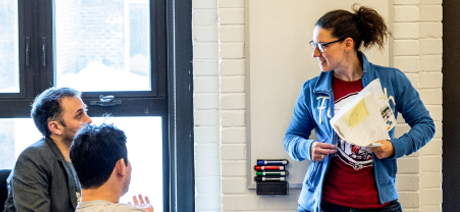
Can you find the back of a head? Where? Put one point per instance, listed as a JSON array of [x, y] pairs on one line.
[[364, 25], [95, 151], [47, 107]]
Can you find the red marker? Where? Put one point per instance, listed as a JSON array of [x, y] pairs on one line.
[[268, 168]]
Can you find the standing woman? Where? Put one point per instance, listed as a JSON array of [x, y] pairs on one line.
[[341, 176]]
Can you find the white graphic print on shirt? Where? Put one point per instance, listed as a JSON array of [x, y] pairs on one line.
[[354, 156]]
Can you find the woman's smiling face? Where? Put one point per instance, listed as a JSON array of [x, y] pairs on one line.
[[333, 53]]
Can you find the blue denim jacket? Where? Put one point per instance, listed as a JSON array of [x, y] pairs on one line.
[[315, 108]]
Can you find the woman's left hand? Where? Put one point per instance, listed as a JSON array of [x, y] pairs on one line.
[[384, 151]]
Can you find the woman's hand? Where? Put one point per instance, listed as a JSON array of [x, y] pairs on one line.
[[320, 150], [386, 150]]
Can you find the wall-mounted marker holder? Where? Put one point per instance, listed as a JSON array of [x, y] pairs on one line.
[[271, 177]]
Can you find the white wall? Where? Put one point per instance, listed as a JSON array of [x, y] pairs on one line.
[[220, 107]]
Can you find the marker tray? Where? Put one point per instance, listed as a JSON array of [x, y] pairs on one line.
[[272, 188]]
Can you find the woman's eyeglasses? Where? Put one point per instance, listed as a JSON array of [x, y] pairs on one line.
[[322, 46]]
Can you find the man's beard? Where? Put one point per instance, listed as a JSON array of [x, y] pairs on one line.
[[68, 135]]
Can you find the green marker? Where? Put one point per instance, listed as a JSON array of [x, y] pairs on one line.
[[280, 173]]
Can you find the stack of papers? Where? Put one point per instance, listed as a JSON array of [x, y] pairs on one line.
[[365, 119]]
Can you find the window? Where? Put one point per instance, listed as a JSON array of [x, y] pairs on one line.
[[130, 59]]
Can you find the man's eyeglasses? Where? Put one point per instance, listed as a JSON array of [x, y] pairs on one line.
[[322, 46]]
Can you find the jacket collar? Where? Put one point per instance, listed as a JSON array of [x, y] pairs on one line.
[[324, 82], [57, 152]]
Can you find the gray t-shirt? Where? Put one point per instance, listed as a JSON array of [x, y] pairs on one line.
[[105, 206]]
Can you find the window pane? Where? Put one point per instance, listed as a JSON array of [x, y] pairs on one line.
[[103, 45], [9, 47], [144, 151]]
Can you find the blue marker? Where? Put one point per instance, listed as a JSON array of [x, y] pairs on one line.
[[273, 162]]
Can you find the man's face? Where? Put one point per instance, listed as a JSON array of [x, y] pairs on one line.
[[73, 117]]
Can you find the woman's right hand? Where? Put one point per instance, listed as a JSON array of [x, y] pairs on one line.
[[320, 150]]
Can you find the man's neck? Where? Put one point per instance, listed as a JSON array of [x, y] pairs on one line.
[[64, 147], [104, 192]]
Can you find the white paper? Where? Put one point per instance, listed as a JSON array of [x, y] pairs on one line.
[[365, 119]]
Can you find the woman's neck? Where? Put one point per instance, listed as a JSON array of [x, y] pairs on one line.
[[351, 71]]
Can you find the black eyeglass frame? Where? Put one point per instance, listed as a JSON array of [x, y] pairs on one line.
[[321, 47]]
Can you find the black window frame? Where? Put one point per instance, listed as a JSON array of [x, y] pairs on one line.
[[173, 100]]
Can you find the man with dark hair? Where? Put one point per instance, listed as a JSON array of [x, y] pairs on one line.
[[43, 178], [100, 157]]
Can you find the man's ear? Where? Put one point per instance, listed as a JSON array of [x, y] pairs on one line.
[[55, 127], [120, 167]]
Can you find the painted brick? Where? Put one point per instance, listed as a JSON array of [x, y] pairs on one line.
[[430, 80], [406, 30], [232, 84], [430, 180], [414, 80], [205, 50], [431, 196], [199, 4], [438, 126], [204, 17], [231, 34], [233, 151], [430, 30], [206, 101], [432, 148], [233, 118], [430, 1], [398, 2], [409, 199], [205, 34], [430, 163], [406, 13], [206, 134], [206, 117], [231, 16], [406, 47], [401, 129], [430, 13], [232, 50], [431, 97], [278, 202], [207, 185], [407, 182], [431, 62], [232, 67], [430, 208], [207, 201], [240, 202], [233, 185], [431, 46], [233, 135], [234, 168], [231, 3], [408, 165], [203, 67], [207, 167], [435, 112], [207, 151], [206, 84], [233, 101], [407, 64]]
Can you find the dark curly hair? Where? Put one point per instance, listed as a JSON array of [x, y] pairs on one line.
[[364, 25]]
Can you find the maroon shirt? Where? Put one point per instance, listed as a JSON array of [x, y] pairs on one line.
[[350, 180]]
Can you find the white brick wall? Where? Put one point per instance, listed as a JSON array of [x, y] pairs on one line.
[[220, 107]]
